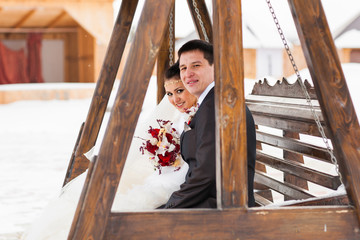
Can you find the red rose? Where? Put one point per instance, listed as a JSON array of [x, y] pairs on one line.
[[166, 160], [169, 137], [154, 132], [151, 148], [177, 148]]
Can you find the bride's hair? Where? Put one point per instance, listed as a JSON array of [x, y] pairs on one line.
[[172, 75], [173, 71]]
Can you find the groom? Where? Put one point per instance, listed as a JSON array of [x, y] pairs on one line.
[[198, 139]]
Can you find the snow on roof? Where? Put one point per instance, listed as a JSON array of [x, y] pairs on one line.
[[350, 39], [340, 13], [259, 28], [257, 16], [250, 40]]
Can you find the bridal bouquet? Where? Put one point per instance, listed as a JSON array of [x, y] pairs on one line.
[[162, 146]]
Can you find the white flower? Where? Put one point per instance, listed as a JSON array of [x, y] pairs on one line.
[[153, 141], [191, 113], [168, 127], [171, 148]]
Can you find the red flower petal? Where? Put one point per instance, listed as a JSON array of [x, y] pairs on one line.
[[151, 148]]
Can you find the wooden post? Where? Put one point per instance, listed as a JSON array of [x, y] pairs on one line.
[[163, 59], [332, 91], [231, 148], [204, 17], [86, 56], [78, 162], [96, 200]]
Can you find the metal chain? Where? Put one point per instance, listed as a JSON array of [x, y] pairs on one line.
[[171, 38], [200, 21], [306, 93]]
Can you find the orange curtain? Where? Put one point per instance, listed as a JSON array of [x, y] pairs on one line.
[[13, 66], [34, 43]]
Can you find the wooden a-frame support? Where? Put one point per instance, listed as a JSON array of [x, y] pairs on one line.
[[89, 132], [94, 219]]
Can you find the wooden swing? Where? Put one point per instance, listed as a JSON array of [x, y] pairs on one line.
[[232, 219]]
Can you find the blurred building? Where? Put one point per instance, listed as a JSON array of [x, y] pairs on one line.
[[63, 40]]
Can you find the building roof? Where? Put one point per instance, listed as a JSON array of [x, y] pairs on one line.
[[259, 30], [350, 39], [22, 16]]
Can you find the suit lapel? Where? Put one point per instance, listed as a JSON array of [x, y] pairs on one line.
[[193, 121]]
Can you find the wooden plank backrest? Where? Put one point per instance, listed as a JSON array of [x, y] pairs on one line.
[[284, 123]]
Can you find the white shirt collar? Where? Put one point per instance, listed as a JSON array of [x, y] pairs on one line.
[[205, 92]]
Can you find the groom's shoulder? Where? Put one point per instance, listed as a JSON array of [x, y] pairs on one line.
[[207, 106], [209, 96], [209, 99]]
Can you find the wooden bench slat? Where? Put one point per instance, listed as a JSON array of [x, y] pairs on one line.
[[284, 111], [282, 187], [294, 146], [281, 100], [288, 124], [261, 200], [331, 200], [299, 170], [267, 193]]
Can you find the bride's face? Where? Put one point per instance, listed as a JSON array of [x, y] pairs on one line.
[[178, 95]]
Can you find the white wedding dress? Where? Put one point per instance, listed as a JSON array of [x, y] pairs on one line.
[[140, 188]]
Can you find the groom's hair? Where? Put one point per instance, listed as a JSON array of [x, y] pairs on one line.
[[200, 45], [173, 71]]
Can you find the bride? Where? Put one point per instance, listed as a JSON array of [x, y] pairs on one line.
[[140, 188]]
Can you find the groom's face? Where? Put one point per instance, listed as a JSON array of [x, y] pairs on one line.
[[195, 71]]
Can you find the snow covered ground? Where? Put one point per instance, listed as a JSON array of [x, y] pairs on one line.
[[37, 138], [36, 142]]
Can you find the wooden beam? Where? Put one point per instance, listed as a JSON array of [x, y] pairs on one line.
[[103, 89], [205, 18], [332, 91], [39, 30], [72, 159], [283, 223], [71, 48], [86, 45], [24, 18], [56, 19], [96, 200], [231, 148]]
